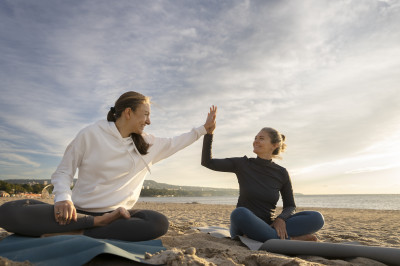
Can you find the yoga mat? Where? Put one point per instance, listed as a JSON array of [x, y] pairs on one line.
[[386, 255], [72, 249], [216, 231]]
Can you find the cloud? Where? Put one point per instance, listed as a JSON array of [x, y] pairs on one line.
[[324, 73], [19, 159], [372, 169]]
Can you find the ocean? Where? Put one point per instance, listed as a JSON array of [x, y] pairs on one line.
[[356, 201]]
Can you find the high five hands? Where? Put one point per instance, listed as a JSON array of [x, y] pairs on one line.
[[210, 122]]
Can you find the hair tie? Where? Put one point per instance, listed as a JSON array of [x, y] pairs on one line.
[[112, 109]]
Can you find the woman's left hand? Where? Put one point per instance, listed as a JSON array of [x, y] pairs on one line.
[[210, 122], [280, 227]]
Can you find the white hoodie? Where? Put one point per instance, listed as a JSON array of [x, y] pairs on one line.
[[111, 169]]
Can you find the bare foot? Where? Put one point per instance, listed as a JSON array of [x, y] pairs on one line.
[[77, 232], [98, 221], [309, 237], [111, 216]]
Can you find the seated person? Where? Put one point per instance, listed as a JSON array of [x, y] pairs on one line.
[[260, 182]]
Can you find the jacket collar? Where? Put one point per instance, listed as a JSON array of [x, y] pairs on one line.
[[262, 162]]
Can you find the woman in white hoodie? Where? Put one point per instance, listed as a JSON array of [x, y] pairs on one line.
[[113, 158]]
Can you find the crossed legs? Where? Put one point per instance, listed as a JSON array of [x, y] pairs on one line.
[[36, 218], [299, 226]]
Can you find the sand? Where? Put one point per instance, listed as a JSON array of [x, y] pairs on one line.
[[188, 246]]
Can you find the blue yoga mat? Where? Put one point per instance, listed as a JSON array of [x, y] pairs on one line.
[[72, 249]]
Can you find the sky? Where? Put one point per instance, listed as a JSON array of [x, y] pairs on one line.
[[324, 73]]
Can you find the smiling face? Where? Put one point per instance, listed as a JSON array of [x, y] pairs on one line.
[[262, 145], [140, 118]]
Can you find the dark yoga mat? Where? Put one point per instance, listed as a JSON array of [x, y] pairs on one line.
[[72, 249], [386, 255]]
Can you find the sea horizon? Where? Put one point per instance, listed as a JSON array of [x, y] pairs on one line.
[[348, 201]]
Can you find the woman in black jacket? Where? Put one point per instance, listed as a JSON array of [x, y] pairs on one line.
[[260, 182]]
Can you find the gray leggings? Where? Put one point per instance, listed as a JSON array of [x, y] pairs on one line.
[[35, 218]]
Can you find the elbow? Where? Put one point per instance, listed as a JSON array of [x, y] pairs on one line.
[[204, 160], [293, 210], [205, 163]]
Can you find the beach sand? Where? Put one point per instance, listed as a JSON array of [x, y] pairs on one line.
[[188, 246]]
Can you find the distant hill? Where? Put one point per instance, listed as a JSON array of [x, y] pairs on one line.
[[151, 184], [155, 185], [27, 181]]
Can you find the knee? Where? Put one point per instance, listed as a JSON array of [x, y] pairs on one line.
[[163, 224], [7, 216], [160, 224], [7, 206], [240, 215], [318, 220], [3, 214], [6, 210]]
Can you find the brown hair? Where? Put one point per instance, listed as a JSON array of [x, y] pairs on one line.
[[130, 99], [276, 137]]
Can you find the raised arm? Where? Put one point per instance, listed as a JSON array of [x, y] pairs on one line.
[[223, 165], [165, 147]]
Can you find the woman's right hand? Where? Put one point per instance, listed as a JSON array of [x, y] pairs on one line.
[[280, 226], [210, 122], [64, 212]]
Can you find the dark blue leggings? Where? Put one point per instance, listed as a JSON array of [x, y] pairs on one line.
[[35, 218], [245, 222]]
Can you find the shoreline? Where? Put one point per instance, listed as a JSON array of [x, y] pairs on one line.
[[367, 227]]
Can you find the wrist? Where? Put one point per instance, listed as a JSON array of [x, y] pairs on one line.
[[280, 218], [210, 130]]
